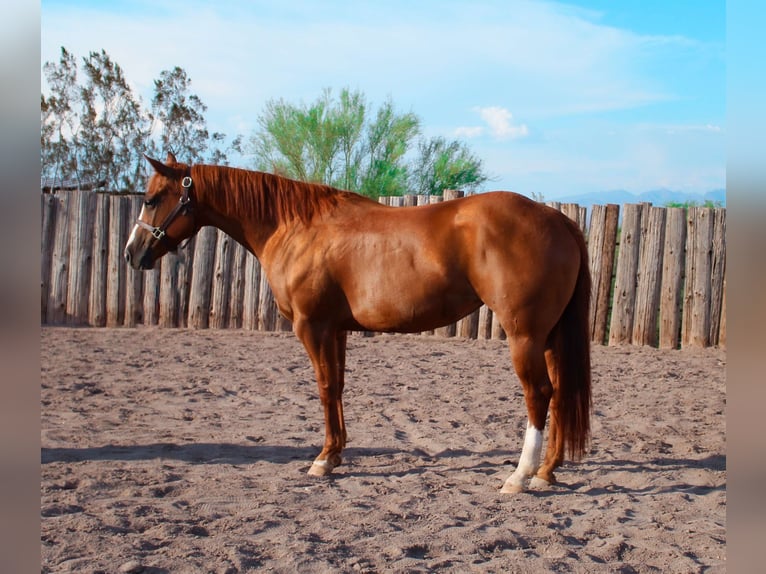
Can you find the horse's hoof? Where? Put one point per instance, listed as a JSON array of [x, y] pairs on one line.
[[509, 488], [539, 483], [321, 468]]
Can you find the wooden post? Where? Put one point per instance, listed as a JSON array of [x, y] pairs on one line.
[[554, 205], [251, 297], [48, 234], [56, 309], [649, 278], [201, 282], [449, 194], [219, 300], [695, 330], [409, 200], [623, 306], [80, 256], [168, 303], [115, 286], [484, 328], [717, 274], [602, 242], [583, 220], [237, 286], [673, 261], [575, 213], [98, 270], [134, 278], [468, 326], [151, 294], [185, 268]]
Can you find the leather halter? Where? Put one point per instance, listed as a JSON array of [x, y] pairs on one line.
[[182, 208]]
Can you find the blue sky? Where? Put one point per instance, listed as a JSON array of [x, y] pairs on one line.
[[557, 98]]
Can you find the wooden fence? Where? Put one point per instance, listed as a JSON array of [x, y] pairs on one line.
[[658, 280]]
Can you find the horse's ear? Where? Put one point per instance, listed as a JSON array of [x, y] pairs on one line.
[[160, 167], [171, 159]]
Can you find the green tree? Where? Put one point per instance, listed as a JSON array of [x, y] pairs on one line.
[[389, 137], [59, 121], [180, 115], [94, 129], [113, 127], [444, 165], [91, 132], [343, 142]]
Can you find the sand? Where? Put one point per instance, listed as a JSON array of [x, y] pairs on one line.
[[170, 450]]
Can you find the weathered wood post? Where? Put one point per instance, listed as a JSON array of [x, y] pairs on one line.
[[237, 286], [49, 203], [221, 286], [624, 299], [649, 277], [673, 262], [695, 330], [56, 308], [602, 241], [98, 269], [718, 274], [115, 286], [250, 310], [134, 278], [201, 281]]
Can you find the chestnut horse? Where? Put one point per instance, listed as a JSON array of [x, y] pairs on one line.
[[337, 262]]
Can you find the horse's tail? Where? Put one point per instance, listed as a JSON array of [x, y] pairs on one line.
[[570, 342]]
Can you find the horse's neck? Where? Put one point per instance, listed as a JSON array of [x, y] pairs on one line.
[[253, 235]]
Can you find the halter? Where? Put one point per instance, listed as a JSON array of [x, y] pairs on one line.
[[182, 207]]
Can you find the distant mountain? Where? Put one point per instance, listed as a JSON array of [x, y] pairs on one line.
[[658, 198]]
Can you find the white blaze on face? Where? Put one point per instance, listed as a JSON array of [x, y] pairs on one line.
[[135, 228]]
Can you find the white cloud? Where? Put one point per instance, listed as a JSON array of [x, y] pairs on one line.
[[498, 122]]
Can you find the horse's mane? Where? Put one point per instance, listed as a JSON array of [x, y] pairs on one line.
[[264, 196]]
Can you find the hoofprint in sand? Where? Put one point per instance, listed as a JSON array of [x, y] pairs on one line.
[[186, 451]]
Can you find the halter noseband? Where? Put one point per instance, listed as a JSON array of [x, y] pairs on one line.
[[182, 207]]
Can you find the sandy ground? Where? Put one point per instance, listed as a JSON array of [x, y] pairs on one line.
[[183, 451]]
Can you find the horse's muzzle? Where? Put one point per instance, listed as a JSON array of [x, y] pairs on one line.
[[146, 261]]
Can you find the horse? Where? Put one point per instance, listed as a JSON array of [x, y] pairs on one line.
[[337, 261]]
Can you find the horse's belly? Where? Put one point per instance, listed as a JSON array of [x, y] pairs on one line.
[[408, 314]]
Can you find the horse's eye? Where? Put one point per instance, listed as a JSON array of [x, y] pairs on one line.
[[150, 201]]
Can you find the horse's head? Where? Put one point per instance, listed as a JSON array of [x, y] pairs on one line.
[[166, 217]]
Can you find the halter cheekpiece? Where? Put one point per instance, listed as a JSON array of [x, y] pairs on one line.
[[182, 207]]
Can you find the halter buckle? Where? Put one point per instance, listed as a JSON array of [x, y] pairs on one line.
[[157, 233]]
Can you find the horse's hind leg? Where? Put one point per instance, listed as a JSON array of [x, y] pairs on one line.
[[554, 454], [528, 359]]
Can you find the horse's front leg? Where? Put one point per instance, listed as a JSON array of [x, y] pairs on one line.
[[326, 348]]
